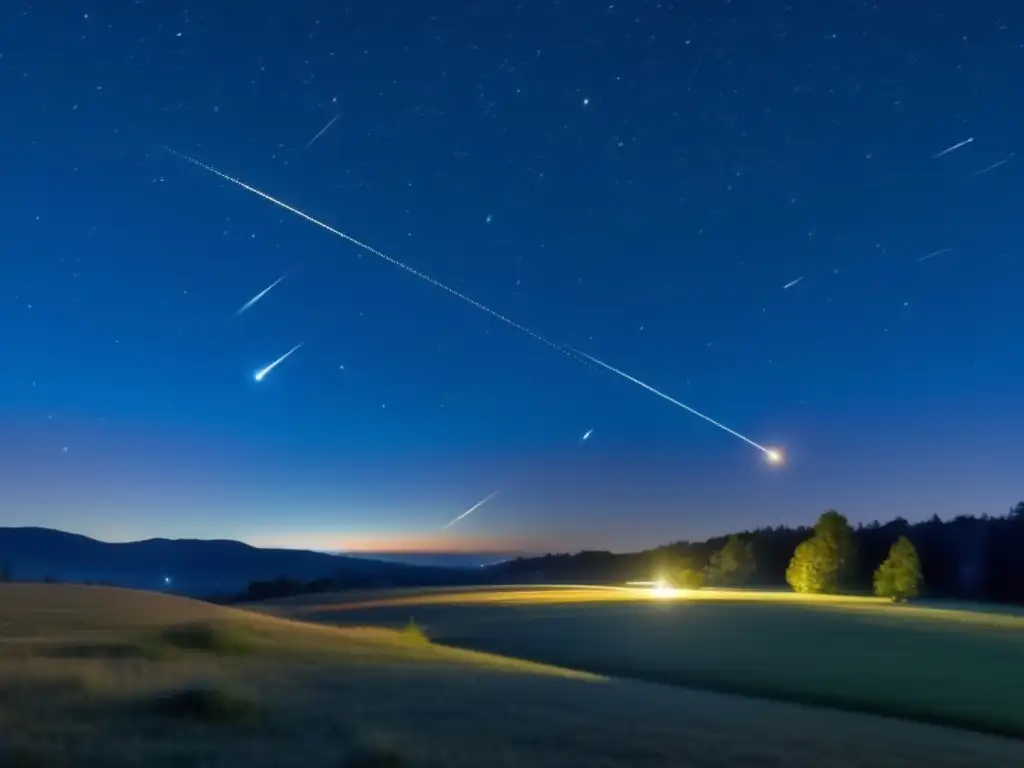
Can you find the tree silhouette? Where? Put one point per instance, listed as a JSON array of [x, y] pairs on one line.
[[682, 572], [733, 564], [899, 576], [835, 531]]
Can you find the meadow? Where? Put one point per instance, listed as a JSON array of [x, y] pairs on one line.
[[108, 677], [943, 665]]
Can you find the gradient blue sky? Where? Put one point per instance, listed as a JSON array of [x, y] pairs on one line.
[[638, 180]]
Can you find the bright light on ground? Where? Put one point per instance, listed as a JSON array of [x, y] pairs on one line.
[[662, 588]]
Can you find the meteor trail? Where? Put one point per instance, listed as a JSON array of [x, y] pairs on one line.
[[932, 255], [949, 149], [322, 131], [259, 295], [370, 249], [472, 509], [791, 283], [995, 165], [586, 435], [772, 454], [262, 372]]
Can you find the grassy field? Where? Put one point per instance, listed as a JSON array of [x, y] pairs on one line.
[[933, 664], [115, 678]]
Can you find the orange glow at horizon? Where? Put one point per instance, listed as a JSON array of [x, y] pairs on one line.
[[427, 543]]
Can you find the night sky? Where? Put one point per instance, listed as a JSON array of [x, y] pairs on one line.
[[638, 180]]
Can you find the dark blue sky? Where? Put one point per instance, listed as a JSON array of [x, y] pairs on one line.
[[638, 180]]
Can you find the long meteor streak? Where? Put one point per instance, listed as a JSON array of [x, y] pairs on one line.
[[262, 372], [259, 295], [772, 454], [370, 249], [474, 508]]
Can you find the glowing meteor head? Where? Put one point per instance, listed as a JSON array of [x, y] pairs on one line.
[[775, 456], [258, 376]]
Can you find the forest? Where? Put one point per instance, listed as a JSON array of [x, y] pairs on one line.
[[978, 558]]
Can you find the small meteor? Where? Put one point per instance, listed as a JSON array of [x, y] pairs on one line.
[[995, 165], [259, 295], [474, 508], [773, 455], [370, 249], [586, 435], [262, 372], [322, 131], [791, 283], [932, 255], [952, 148]]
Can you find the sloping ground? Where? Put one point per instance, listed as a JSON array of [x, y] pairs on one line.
[[106, 677], [943, 666]]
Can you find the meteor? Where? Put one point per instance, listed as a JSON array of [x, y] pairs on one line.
[[471, 509], [370, 249], [259, 295], [262, 372], [997, 164], [773, 455], [322, 131], [586, 435], [953, 148], [791, 283], [932, 255]]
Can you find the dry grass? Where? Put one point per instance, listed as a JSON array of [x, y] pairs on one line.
[[192, 684]]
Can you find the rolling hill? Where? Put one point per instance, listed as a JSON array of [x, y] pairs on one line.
[[193, 566], [121, 678]]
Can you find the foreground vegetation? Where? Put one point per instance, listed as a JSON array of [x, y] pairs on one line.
[[108, 677], [953, 667]]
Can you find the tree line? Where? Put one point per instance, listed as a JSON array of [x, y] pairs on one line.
[[968, 557], [820, 564]]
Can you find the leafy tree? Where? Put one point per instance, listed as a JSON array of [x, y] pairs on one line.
[[812, 568], [819, 563], [970, 557], [899, 576], [733, 564]]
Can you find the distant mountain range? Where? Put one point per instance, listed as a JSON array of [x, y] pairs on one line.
[[194, 566], [440, 559]]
